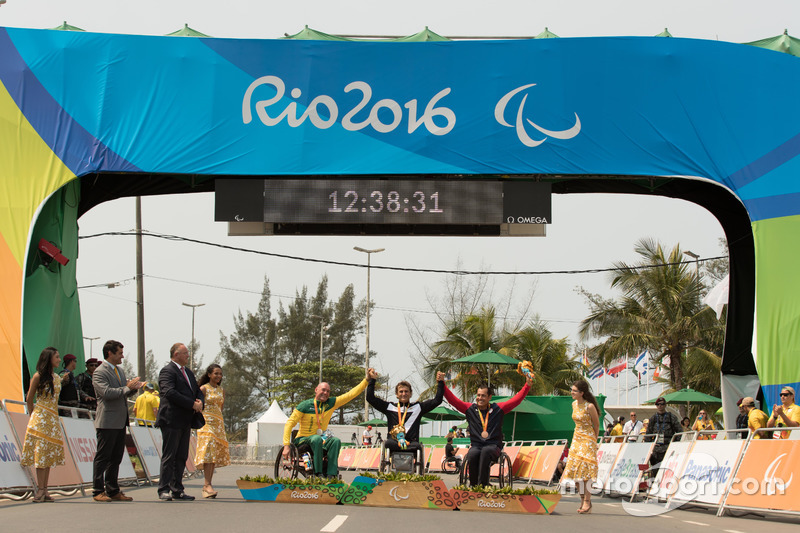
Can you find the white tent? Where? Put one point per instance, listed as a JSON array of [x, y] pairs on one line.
[[268, 429]]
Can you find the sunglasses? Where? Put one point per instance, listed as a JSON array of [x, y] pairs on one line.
[[786, 394], [661, 403]]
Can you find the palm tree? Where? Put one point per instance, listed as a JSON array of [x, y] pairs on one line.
[[659, 310], [476, 333], [555, 371]]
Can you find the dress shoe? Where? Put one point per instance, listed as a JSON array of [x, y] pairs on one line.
[[102, 497], [182, 496], [120, 497], [165, 496]]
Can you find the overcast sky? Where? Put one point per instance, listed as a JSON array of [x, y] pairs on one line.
[[588, 231]]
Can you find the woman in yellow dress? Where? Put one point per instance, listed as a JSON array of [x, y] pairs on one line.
[[44, 442], [212, 444], [582, 460]]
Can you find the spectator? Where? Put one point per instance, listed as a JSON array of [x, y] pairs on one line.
[[703, 423], [69, 390], [632, 427], [616, 431], [378, 438], [686, 424], [87, 399], [663, 425], [741, 420], [785, 415], [452, 433], [609, 428], [146, 406], [460, 434], [450, 453], [366, 437], [756, 418]]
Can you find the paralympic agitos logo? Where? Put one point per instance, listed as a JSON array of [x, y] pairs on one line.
[[384, 115], [520, 121]]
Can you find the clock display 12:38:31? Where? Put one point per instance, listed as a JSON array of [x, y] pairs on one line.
[[378, 202]]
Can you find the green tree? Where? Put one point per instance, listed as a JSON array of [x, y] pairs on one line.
[[659, 309], [555, 370], [250, 364]]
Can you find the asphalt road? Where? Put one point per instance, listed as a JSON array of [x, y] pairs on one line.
[[230, 513]]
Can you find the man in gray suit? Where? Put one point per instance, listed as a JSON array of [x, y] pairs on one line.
[[112, 390]]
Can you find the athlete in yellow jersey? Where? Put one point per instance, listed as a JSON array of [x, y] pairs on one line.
[[313, 416]]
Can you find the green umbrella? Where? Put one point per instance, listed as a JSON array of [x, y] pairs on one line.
[[443, 413], [526, 407], [488, 357], [377, 422], [688, 396]]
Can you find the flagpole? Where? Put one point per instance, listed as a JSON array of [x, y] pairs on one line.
[[627, 376]]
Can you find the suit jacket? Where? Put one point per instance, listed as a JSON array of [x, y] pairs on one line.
[[177, 397], [112, 397]]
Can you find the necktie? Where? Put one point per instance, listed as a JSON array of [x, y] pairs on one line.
[[117, 373], [183, 369]]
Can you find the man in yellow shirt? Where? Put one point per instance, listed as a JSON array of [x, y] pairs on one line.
[[313, 416], [146, 406], [785, 415], [756, 418], [617, 429]]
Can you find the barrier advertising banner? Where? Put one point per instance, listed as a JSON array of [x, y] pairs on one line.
[[11, 472], [665, 484], [60, 476], [148, 453], [765, 478], [82, 438], [548, 461], [625, 473], [709, 470], [606, 457]]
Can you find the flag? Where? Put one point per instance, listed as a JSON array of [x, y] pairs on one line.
[[657, 372], [617, 366], [666, 361], [585, 363], [596, 371], [640, 365]]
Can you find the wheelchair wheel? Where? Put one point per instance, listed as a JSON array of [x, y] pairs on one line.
[[287, 467], [384, 466], [450, 465], [463, 474], [506, 476]]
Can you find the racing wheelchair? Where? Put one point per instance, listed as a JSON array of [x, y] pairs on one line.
[[505, 475], [294, 465], [403, 460]]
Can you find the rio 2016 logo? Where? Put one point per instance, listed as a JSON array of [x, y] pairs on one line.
[[519, 124]]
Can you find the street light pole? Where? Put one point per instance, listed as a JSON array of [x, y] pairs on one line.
[[366, 355], [191, 348], [696, 263], [91, 342], [322, 328]]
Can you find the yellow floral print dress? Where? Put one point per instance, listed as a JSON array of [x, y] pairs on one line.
[[212, 444], [44, 442], [582, 460]]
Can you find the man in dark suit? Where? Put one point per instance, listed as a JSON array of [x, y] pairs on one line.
[[181, 398], [112, 389]]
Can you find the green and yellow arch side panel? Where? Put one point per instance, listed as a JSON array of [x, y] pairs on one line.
[[29, 173]]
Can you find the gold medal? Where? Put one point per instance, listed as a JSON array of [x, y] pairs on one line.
[[485, 434], [319, 432]]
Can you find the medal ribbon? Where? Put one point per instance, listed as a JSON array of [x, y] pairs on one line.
[[319, 413], [402, 416], [484, 422]]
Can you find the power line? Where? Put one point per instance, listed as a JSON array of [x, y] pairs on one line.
[[394, 268]]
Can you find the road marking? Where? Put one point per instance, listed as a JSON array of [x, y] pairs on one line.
[[334, 524], [694, 523], [612, 504], [664, 516], [731, 531]]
